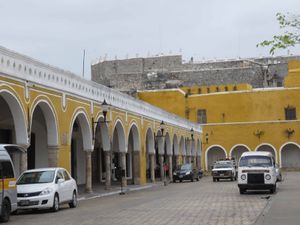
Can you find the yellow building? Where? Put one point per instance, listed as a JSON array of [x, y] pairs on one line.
[[237, 118]]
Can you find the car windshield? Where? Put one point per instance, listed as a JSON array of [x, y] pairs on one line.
[[222, 165], [257, 160], [36, 177], [184, 167]]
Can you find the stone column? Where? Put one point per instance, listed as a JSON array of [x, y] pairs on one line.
[[170, 168], [53, 156], [123, 167], [88, 173], [152, 167], [161, 163], [136, 167], [177, 160], [23, 161], [108, 170]]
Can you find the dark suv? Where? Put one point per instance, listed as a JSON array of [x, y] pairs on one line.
[[186, 172]]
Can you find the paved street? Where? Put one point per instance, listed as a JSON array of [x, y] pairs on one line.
[[202, 202]]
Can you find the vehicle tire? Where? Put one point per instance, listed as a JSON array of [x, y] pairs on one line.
[[73, 203], [55, 206], [242, 191], [192, 180], [231, 178], [214, 179], [273, 189], [180, 181], [198, 178], [5, 212], [218, 179]]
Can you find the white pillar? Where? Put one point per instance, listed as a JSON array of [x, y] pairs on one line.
[[88, 174], [161, 162], [123, 167], [53, 156], [108, 170], [170, 168], [152, 167]]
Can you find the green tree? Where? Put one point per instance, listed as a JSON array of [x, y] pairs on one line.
[[290, 23]]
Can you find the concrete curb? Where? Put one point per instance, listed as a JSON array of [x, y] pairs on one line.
[[126, 190]]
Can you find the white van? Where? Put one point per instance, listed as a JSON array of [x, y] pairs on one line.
[[8, 188], [257, 171]]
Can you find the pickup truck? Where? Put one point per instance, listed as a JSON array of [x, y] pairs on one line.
[[224, 169]]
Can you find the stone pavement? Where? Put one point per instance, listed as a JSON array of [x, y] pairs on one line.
[[188, 203], [284, 208]]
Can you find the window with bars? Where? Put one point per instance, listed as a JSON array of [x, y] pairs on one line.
[[201, 116]]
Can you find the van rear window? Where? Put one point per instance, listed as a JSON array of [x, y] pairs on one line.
[[255, 161], [6, 170]]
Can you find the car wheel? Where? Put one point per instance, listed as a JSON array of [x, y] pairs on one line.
[[242, 191], [180, 181], [5, 212], [231, 178], [218, 179], [214, 179], [273, 189], [197, 178], [73, 203], [55, 206], [192, 180]]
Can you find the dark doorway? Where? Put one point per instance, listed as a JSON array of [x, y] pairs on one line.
[[31, 153]]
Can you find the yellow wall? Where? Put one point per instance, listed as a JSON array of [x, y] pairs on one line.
[[233, 117]]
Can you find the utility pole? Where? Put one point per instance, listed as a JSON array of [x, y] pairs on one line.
[[83, 59]]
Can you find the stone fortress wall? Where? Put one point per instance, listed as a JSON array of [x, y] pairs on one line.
[[129, 75]]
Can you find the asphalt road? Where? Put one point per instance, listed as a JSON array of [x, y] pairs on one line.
[[203, 202]]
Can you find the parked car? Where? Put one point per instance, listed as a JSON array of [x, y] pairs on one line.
[[278, 172], [46, 188], [186, 172], [224, 169]]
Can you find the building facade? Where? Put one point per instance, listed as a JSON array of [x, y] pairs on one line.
[[61, 120], [238, 118]]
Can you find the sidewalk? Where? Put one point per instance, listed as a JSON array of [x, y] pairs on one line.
[[284, 207], [99, 190]]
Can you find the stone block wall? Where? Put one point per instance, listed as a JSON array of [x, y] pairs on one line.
[[134, 74]]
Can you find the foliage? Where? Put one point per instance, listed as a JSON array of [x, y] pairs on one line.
[[290, 23]]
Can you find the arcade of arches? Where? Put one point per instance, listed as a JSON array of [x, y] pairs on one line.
[[70, 132], [287, 156]]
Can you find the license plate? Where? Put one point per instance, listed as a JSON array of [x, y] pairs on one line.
[[180, 176], [24, 202], [222, 175]]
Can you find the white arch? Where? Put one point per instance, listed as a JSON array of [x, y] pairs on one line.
[[150, 139], [136, 136], [85, 127], [210, 147], [104, 134], [282, 146], [18, 116], [175, 144], [267, 144], [50, 119], [121, 135], [237, 145]]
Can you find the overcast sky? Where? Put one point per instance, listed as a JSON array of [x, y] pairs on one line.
[[57, 31]]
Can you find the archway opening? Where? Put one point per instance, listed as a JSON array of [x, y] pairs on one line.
[[290, 157], [267, 148], [98, 155], [214, 154], [149, 150], [132, 156], [237, 152]]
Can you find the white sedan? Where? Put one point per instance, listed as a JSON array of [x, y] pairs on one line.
[[46, 188]]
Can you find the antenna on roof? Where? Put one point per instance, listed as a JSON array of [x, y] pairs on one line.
[[83, 59]]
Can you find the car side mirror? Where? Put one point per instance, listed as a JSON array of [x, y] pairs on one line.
[[60, 180]]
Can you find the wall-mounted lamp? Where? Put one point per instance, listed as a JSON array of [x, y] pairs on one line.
[[105, 108], [162, 127], [206, 138], [192, 134], [289, 132], [258, 133]]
